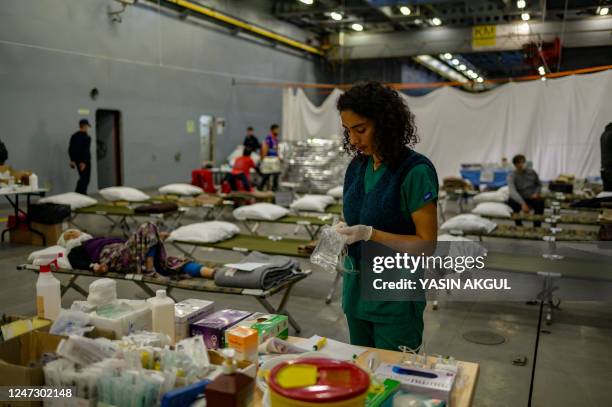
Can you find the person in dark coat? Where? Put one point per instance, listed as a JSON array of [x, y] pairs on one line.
[[3, 153], [80, 155]]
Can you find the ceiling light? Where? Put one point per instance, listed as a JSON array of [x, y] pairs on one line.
[[479, 80], [357, 27], [462, 67], [436, 21], [405, 10], [447, 55], [541, 70], [455, 61], [309, 2], [418, 21], [521, 3], [525, 16], [603, 11], [335, 16], [469, 73]]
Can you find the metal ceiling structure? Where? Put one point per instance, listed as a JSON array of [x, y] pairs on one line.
[[387, 16], [409, 28]]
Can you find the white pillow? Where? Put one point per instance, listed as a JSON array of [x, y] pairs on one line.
[[336, 192], [204, 232], [123, 194], [260, 211], [47, 255], [494, 209], [468, 223], [316, 203], [604, 194], [491, 196], [180, 189], [75, 200]]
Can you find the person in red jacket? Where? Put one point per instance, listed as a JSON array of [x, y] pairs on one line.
[[241, 170]]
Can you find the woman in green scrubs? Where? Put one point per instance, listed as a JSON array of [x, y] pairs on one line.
[[390, 194]]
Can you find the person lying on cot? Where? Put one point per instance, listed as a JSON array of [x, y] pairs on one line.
[[144, 252]]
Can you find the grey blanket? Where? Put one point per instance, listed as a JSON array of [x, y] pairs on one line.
[[276, 270]]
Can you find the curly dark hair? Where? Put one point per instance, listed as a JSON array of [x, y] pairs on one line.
[[395, 130]]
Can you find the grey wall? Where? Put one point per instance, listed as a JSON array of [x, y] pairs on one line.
[[158, 70]]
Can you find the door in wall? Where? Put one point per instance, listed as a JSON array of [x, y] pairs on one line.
[[108, 148]]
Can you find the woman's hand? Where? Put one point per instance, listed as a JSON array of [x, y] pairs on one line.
[[100, 268], [354, 233]]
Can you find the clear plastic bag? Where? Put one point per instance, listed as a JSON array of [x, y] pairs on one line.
[[330, 249]]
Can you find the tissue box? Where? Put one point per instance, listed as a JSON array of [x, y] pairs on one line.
[[123, 317], [267, 325], [187, 312], [213, 327]]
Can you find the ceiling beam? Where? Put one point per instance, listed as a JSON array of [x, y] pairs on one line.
[[437, 40]]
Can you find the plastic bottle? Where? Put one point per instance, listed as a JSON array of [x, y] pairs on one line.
[[48, 294], [33, 181], [162, 308]]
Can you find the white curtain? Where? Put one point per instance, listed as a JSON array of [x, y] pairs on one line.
[[303, 120], [556, 124]]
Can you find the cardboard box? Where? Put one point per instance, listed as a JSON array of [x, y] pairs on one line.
[[213, 327], [267, 325], [13, 326], [22, 235], [244, 341], [19, 362], [187, 312]]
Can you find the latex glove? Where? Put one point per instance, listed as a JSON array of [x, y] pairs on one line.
[[355, 233]]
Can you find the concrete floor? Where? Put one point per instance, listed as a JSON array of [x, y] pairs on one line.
[[574, 366]]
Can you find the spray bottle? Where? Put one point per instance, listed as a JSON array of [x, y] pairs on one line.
[[48, 293]]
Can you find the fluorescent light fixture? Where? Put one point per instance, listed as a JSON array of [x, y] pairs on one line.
[[357, 27], [436, 21], [405, 10], [479, 80], [525, 16], [447, 55], [603, 11], [309, 2], [441, 68], [455, 61], [521, 3], [462, 67], [335, 16], [541, 70]]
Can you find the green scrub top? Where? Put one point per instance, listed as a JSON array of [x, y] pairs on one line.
[[418, 189]]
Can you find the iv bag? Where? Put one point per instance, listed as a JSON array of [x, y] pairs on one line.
[[329, 250]]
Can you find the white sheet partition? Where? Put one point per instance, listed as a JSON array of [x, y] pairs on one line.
[[556, 124]]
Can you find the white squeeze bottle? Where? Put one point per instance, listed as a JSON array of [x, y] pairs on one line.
[[48, 294], [162, 308], [33, 181]]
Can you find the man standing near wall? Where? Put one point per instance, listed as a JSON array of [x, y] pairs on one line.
[[80, 155], [250, 141]]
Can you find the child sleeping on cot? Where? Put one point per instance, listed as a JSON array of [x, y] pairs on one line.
[[144, 251]]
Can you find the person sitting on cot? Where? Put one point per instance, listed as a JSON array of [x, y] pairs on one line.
[[143, 252]]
